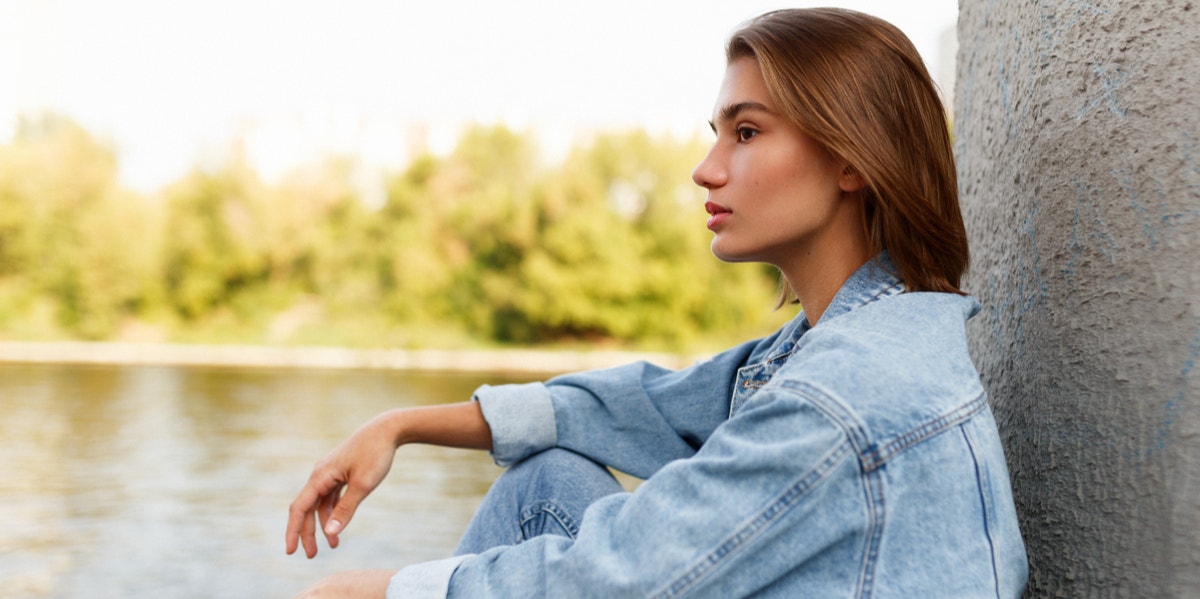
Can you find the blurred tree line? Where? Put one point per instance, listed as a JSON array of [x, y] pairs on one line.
[[481, 246]]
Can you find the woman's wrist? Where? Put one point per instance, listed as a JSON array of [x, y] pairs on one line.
[[397, 425]]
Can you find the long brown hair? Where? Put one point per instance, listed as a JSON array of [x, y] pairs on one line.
[[856, 85]]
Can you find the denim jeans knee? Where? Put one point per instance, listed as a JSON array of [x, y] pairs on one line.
[[547, 493]]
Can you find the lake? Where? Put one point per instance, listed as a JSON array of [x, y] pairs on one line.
[[175, 481]]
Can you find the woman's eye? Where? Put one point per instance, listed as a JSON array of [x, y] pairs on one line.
[[745, 133]]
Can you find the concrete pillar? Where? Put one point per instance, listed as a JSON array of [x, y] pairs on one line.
[[1078, 137]]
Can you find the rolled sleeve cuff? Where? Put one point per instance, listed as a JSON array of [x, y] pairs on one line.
[[521, 418], [428, 579]]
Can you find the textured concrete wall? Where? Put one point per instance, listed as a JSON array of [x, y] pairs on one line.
[[1078, 135]]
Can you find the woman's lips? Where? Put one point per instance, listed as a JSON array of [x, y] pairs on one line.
[[718, 214]]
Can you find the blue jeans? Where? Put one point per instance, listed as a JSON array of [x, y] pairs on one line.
[[545, 493]]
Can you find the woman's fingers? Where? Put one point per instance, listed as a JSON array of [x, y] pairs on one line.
[[298, 513], [303, 512], [308, 536], [324, 510], [343, 510]]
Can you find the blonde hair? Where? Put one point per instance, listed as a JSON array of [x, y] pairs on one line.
[[856, 85]]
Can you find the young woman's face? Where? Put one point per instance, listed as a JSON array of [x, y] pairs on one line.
[[773, 193]]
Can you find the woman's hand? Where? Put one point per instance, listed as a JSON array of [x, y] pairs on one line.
[[341, 480], [351, 471]]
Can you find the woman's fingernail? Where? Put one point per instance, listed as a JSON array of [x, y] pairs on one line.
[[333, 527]]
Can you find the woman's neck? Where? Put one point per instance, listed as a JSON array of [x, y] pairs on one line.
[[816, 278]]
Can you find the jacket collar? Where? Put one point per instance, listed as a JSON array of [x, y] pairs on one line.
[[873, 280]]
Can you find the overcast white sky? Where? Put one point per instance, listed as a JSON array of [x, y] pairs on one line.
[[167, 81]]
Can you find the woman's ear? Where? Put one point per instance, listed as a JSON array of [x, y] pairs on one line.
[[851, 180]]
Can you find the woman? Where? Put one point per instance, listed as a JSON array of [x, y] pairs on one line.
[[850, 454]]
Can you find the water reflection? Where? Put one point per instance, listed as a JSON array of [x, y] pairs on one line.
[[174, 482]]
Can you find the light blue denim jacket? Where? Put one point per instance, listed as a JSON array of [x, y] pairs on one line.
[[856, 458]]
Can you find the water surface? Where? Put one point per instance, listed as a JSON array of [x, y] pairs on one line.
[[175, 482]]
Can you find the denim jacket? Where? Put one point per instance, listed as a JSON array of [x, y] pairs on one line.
[[856, 458]]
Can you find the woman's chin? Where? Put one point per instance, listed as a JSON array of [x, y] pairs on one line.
[[727, 254]]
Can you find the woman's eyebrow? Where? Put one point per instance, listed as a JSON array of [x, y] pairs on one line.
[[732, 111]]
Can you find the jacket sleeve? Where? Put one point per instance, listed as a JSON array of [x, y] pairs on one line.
[[744, 512], [634, 418]]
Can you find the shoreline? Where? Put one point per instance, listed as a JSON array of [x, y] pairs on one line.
[[522, 361]]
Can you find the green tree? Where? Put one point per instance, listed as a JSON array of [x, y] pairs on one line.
[[607, 245], [417, 253], [213, 245], [320, 239], [67, 231]]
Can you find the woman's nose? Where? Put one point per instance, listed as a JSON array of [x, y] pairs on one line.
[[709, 173]]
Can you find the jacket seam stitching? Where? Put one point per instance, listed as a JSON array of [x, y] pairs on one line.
[[888, 291], [835, 410], [984, 504], [879, 456], [856, 434], [757, 525], [873, 489]]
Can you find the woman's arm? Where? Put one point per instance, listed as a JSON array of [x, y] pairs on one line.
[[635, 418], [341, 480], [750, 506]]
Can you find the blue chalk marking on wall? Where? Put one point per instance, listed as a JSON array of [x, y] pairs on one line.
[[1164, 217], [1014, 292], [1089, 231], [1125, 180], [1011, 92], [1188, 150], [1112, 79], [1054, 26], [1019, 64], [1173, 409], [1030, 229]]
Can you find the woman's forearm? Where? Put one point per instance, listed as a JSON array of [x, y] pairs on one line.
[[454, 425]]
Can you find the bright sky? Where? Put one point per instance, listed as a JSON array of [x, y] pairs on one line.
[[170, 83]]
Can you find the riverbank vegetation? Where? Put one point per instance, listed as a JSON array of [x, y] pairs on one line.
[[483, 246]]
